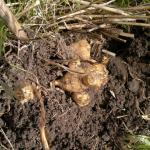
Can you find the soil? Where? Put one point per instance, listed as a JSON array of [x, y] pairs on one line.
[[114, 112]]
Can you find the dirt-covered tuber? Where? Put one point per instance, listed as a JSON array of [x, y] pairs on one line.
[[92, 75], [24, 92], [82, 98], [81, 50], [96, 75]]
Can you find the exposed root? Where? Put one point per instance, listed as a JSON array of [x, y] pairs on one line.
[[42, 123], [42, 118], [104, 7], [51, 62], [43, 138]]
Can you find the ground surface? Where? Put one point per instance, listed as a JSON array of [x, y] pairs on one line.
[[114, 111]]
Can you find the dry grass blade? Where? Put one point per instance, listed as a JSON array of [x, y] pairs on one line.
[[12, 4], [11, 21], [72, 26], [83, 11], [132, 23], [143, 17], [102, 26], [75, 13], [104, 7], [129, 35], [37, 3], [1, 130], [4, 148], [138, 8], [50, 62]]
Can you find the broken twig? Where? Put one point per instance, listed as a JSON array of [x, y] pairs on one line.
[[11, 21]]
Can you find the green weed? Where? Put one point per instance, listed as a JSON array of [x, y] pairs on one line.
[[137, 142]]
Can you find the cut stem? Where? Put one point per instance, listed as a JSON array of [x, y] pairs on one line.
[[103, 7], [132, 23], [11, 21]]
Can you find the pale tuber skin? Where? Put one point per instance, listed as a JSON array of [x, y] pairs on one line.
[[81, 50], [71, 82], [95, 75], [24, 92], [82, 98]]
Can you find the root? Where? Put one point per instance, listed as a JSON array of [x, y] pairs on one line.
[[42, 117], [43, 138], [42, 124], [51, 62]]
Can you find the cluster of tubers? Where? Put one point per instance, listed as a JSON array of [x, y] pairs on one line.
[[86, 74], [92, 75]]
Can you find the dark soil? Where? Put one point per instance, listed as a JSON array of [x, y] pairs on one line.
[[115, 110]]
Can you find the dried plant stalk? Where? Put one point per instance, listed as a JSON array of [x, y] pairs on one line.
[[104, 7], [12, 22], [132, 23]]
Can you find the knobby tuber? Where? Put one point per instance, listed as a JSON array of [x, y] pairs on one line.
[[24, 92], [95, 75], [81, 50]]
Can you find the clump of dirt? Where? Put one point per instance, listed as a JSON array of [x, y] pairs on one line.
[[114, 110]]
